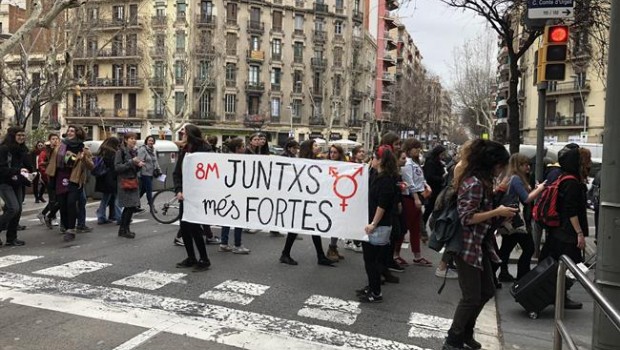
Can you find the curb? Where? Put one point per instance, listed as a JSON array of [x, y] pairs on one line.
[[31, 211], [487, 326]]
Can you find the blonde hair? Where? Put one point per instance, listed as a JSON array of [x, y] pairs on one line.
[[514, 168], [585, 162]]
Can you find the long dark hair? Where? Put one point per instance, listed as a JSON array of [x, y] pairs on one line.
[[387, 159], [340, 151], [194, 136], [10, 139], [389, 139], [109, 146], [306, 149], [482, 159]]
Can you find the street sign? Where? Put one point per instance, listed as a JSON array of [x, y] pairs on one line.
[[550, 9]]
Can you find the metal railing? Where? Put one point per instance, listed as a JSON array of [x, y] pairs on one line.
[[560, 332]]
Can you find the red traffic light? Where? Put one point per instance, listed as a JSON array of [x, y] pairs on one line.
[[558, 34]]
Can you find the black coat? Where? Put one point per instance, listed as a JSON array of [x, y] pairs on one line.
[[177, 174], [434, 172], [107, 182], [19, 159]]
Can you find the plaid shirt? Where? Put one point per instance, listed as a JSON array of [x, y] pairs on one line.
[[471, 200]]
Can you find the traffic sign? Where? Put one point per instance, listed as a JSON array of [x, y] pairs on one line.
[[550, 9]]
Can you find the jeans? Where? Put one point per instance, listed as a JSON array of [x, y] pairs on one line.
[[81, 216], [108, 200], [69, 205], [477, 288], [146, 186], [9, 220], [526, 243], [375, 264], [237, 233]]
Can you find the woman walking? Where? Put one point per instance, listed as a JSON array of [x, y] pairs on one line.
[[14, 161], [151, 169], [48, 214], [38, 185], [127, 166], [381, 199], [107, 183], [474, 181], [309, 150], [434, 174], [191, 232], [336, 153]]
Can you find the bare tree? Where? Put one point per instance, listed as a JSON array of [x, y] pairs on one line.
[[412, 101], [473, 73], [504, 17]]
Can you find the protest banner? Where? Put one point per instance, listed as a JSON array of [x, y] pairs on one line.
[[273, 193]]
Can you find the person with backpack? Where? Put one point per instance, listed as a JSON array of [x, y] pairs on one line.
[[105, 181], [474, 203], [568, 236], [514, 232]]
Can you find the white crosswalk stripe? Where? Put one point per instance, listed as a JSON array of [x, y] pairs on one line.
[[73, 269], [151, 280], [330, 309], [16, 259], [235, 292], [428, 326]]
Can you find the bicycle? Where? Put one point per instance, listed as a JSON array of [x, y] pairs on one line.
[[166, 207]]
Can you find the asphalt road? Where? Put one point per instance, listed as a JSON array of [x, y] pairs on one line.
[[106, 292]]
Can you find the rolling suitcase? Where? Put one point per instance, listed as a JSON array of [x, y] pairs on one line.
[[536, 290]]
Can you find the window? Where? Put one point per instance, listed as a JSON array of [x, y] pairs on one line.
[[277, 20], [118, 102], [276, 73], [159, 70], [317, 107], [206, 9], [338, 28], [132, 44], [254, 43], [79, 71], [93, 13], [119, 13], [319, 25], [179, 72], [318, 53], [231, 44], [356, 6], [578, 110], [339, 5], [298, 52], [230, 105], [338, 53], [317, 82], [117, 73], [253, 105], [296, 111], [231, 13], [255, 14], [205, 105], [231, 72], [133, 14], [132, 74], [179, 101], [276, 48], [203, 69], [299, 23], [181, 9], [551, 107], [180, 41], [158, 105], [275, 107], [337, 84], [298, 78], [160, 42], [580, 80], [254, 75], [117, 45]]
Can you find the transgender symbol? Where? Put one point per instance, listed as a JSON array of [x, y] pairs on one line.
[[333, 171]]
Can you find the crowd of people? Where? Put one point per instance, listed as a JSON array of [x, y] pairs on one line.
[[494, 196]]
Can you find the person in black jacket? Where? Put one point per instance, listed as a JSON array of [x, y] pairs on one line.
[[14, 160], [106, 184], [434, 173], [191, 232]]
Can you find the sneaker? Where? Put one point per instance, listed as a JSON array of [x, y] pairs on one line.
[[189, 262], [287, 260], [400, 261], [213, 240], [362, 292], [240, 250], [224, 248], [472, 344], [505, 277], [15, 243], [69, 235], [202, 265], [349, 245], [41, 218], [371, 298], [447, 346], [139, 211], [48, 222], [394, 267], [332, 254], [452, 274], [358, 248], [83, 229], [178, 241], [422, 262]]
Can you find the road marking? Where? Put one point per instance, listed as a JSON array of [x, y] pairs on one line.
[[330, 309], [9, 260], [72, 269], [151, 280], [138, 340], [235, 292], [428, 326], [214, 323]]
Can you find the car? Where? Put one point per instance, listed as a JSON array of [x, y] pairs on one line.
[[275, 150]]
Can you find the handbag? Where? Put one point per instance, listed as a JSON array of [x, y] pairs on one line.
[[157, 173], [129, 184]]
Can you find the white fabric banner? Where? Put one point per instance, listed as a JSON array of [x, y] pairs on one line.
[[273, 193]]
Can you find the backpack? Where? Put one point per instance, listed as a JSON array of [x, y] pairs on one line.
[[445, 223], [100, 168], [545, 210]]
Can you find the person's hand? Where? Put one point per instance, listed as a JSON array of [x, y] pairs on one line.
[[581, 241], [506, 212], [180, 196], [80, 155], [369, 228], [505, 181], [541, 186]]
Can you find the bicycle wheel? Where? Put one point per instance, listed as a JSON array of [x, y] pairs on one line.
[[166, 207]]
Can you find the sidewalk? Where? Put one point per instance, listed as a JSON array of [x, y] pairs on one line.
[[30, 207]]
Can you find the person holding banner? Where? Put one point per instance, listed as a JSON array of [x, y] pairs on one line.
[[335, 153], [308, 149], [381, 194], [191, 232]]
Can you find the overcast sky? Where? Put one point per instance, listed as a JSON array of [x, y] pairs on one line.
[[436, 30]]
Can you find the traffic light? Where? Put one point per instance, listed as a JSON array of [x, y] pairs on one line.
[[553, 53]]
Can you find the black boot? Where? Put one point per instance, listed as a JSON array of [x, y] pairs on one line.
[[570, 304], [389, 278], [123, 231]]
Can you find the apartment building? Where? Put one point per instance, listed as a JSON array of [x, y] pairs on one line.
[[232, 67], [11, 18]]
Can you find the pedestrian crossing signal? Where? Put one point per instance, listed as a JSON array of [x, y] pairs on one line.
[[553, 53]]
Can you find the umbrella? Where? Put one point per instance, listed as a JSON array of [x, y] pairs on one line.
[[345, 143]]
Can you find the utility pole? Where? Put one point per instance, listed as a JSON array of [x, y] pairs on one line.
[[540, 131], [604, 334]]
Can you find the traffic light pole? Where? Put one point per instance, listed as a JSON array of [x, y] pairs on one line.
[[604, 335], [540, 131]]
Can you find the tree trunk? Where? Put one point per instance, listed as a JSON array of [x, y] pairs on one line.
[[514, 134]]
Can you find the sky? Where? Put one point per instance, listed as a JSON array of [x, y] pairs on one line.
[[436, 30]]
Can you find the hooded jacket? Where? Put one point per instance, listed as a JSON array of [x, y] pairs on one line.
[[571, 199]]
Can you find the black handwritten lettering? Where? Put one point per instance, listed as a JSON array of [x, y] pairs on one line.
[[248, 209], [329, 219], [305, 215], [266, 178], [209, 204], [245, 172], [234, 175], [294, 202], [281, 207], [316, 181], [297, 179], [282, 166], [262, 210]]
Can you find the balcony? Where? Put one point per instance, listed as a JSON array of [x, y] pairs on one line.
[[127, 53], [256, 27], [114, 84], [208, 21], [392, 5], [207, 83], [158, 51], [255, 121], [159, 21], [355, 123], [204, 50], [390, 41], [156, 82], [275, 87], [230, 117], [503, 52], [296, 120], [358, 16], [299, 3], [231, 83], [386, 116], [568, 88], [254, 87], [276, 56], [255, 56], [232, 22], [207, 117], [299, 33], [560, 122], [101, 113], [278, 30], [114, 23], [321, 8], [153, 114], [318, 63], [316, 120], [387, 96], [357, 95], [387, 77], [504, 85], [181, 17], [504, 68], [388, 59], [320, 36]]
